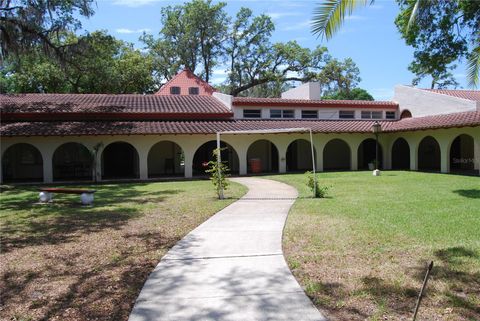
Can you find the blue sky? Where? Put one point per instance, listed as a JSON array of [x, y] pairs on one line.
[[369, 36]]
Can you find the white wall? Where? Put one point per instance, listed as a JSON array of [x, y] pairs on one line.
[[423, 103], [309, 90], [241, 143]]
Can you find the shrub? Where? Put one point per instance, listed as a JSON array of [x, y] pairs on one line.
[[319, 191]]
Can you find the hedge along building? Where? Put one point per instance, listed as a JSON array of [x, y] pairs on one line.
[[50, 137]]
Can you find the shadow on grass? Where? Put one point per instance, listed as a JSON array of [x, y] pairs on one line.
[[469, 193], [27, 223], [464, 286], [397, 297]]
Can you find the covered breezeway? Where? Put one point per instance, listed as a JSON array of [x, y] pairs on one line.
[[204, 154], [22, 162], [262, 157], [166, 159], [120, 161], [299, 156], [72, 161], [336, 156], [429, 155], [400, 154], [462, 155], [366, 154]]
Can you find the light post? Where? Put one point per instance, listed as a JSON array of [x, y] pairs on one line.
[[376, 129]]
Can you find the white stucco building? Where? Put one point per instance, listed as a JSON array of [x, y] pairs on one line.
[[50, 137]]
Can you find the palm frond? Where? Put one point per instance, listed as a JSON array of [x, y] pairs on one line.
[[412, 11], [329, 15], [473, 66]]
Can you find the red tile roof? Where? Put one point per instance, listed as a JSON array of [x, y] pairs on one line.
[[282, 102], [466, 119], [465, 94], [186, 79], [105, 103], [211, 127]]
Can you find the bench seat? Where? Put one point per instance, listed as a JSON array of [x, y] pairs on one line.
[[86, 195], [67, 190]]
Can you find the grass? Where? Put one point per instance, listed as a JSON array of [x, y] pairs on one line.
[[361, 253], [62, 261]]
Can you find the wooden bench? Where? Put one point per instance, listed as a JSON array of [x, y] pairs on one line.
[[86, 195]]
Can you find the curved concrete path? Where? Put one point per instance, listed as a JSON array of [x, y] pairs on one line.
[[231, 267]]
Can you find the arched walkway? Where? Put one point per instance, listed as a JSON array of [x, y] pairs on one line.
[[366, 154], [120, 161], [336, 155], [262, 157], [429, 155], [401, 154], [72, 161], [462, 155], [204, 154], [299, 156], [22, 163], [165, 158]]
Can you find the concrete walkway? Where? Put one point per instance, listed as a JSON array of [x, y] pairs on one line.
[[231, 267]]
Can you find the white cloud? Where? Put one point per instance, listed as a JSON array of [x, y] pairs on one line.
[[297, 26], [130, 31], [133, 3], [280, 15]]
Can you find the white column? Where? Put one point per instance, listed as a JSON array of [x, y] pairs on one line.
[[143, 164], [47, 167], [476, 154], [188, 162], [282, 159], [444, 156], [413, 155], [353, 155], [242, 161]]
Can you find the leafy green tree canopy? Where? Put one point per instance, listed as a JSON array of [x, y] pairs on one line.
[[29, 24]]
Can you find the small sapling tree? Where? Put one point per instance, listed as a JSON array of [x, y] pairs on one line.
[[218, 172]]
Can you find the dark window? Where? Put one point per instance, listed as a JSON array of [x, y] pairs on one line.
[[376, 114], [175, 90], [252, 113], [193, 91], [346, 114], [366, 114], [282, 113], [275, 113], [288, 113], [390, 115], [309, 113]]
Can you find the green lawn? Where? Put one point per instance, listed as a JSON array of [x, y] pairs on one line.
[[67, 262], [360, 253]]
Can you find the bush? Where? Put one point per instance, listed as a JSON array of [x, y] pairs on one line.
[[320, 191]]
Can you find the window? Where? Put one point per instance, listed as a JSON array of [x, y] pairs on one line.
[[282, 113], [376, 115], [193, 91], [390, 115], [252, 113], [175, 90], [346, 114], [309, 113], [275, 113], [289, 113]]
